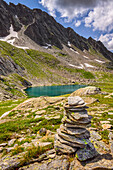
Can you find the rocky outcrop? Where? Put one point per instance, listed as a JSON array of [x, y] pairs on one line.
[[72, 137], [90, 90], [7, 66]]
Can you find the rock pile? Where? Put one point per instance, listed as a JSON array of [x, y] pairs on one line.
[[73, 137]]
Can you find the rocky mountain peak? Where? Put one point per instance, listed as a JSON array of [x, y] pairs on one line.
[[42, 29]]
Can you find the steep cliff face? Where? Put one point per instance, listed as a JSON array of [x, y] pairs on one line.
[[98, 46], [43, 29]]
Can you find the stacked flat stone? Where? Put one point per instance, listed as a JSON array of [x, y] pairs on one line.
[[72, 136]]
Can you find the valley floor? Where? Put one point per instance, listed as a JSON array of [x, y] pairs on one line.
[[28, 130]]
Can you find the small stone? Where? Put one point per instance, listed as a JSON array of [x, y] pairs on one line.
[[41, 157], [43, 144], [110, 119], [3, 144], [110, 113], [57, 107], [52, 151], [42, 131], [48, 133], [38, 136], [104, 122], [94, 136], [110, 136], [26, 145], [21, 139], [86, 153], [9, 149], [11, 142], [52, 156], [111, 142], [16, 145], [40, 112], [101, 145], [73, 101], [56, 117], [106, 126], [1, 149], [37, 116]]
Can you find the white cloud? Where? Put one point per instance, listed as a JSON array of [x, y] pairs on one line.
[[100, 12], [107, 40], [101, 17], [97, 14], [78, 23]]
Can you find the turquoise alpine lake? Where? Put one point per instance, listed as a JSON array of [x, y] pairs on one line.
[[51, 90]]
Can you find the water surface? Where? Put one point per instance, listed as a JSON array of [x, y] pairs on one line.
[[51, 90]]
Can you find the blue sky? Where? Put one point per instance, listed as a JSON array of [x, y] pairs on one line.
[[87, 17]]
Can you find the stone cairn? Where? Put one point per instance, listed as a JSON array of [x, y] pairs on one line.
[[72, 137]]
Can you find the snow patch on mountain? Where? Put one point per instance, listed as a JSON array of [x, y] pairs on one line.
[[69, 44], [13, 34], [11, 38], [88, 65], [99, 61], [74, 51], [79, 67], [86, 57]]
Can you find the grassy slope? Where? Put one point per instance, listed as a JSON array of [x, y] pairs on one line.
[[38, 66], [45, 66], [35, 63]]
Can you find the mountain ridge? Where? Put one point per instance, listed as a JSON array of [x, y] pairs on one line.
[[43, 29]]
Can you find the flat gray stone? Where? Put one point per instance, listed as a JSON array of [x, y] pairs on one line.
[[71, 120], [111, 142], [78, 115], [72, 131], [110, 113], [1, 149], [63, 148], [86, 153], [70, 138], [58, 163], [94, 136], [9, 149], [3, 144], [80, 133], [73, 101], [76, 126], [11, 142], [63, 141]]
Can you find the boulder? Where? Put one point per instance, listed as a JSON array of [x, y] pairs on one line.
[[106, 126], [86, 153], [90, 90], [11, 142]]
